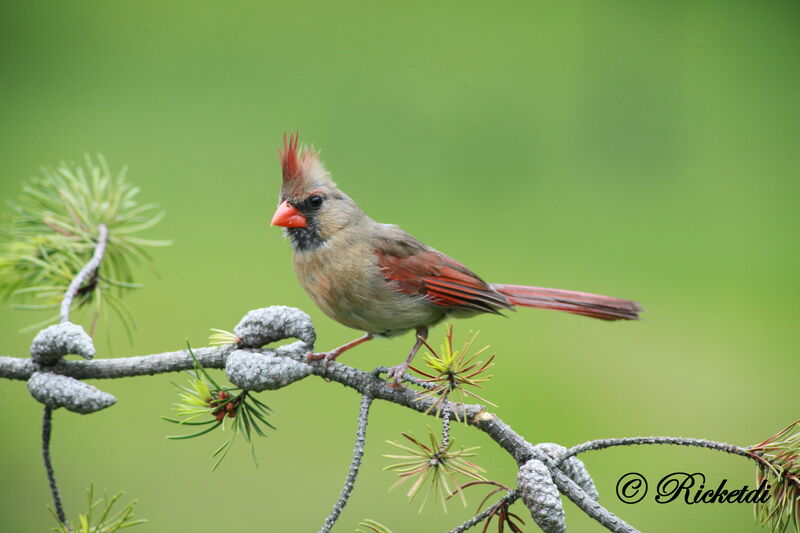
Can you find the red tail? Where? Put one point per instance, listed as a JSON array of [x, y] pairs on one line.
[[579, 303]]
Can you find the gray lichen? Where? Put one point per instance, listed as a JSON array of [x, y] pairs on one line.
[[55, 390], [54, 342], [258, 371], [540, 494], [270, 324], [572, 467]]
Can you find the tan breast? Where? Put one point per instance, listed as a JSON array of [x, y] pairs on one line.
[[344, 280]]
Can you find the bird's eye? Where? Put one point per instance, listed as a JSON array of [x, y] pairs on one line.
[[315, 201]]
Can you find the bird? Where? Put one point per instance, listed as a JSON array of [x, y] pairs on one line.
[[380, 280]]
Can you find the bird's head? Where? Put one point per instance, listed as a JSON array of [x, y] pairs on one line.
[[310, 207]]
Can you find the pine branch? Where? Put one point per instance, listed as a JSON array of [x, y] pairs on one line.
[[358, 455], [510, 497], [287, 322], [47, 420], [47, 429], [90, 269], [366, 383], [601, 444], [70, 216], [445, 423]]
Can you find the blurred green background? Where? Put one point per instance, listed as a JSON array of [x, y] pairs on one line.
[[642, 150]]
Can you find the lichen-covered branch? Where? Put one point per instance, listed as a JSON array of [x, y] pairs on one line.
[[363, 382], [90, 268], [122, 367], [366, 383], [601, 444], [545, 468], [58, 391], [358, 455], [509, 498], [47, 430]]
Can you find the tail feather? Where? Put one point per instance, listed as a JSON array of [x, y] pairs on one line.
[[578, 303]]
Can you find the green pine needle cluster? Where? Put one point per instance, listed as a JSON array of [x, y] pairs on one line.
[[100, 516], [52, 230], [206, 405], [452, 370], [221, 337], [778, 460], [438, 466]]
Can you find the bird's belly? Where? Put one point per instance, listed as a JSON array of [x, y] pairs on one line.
[[358, 297], [377, 309]]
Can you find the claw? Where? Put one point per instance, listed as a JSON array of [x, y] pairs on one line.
[[396, 375]]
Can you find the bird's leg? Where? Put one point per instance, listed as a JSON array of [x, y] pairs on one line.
[[396, 372], [336, 352]]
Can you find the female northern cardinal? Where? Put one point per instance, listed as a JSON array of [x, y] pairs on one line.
[[379, 279]]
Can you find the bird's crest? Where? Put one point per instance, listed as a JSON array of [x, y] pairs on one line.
[[301, 166]]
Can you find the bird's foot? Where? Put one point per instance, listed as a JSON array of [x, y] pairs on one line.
[[396, 375], [325, 357], [311, 356]]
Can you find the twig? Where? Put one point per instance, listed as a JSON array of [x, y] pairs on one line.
[[445, 424], [47, 428], [406, 378], [601, 444], [510, 497], [586, 503], [91, 267], [88, 270], [358, 455]]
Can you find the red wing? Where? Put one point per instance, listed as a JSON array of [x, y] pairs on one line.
[[443, 280]]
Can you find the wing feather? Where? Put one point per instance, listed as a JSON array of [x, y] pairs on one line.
[[418, 270]]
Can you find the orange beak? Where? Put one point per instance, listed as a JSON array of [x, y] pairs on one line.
[[288, 216]]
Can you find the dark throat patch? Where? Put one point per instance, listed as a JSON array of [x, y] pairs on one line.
[[305, 239]]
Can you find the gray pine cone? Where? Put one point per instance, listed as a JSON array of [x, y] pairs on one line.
[[540, 494], [270, 324], [54, 342], [55, 390], [256, 371], [572, 467]]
